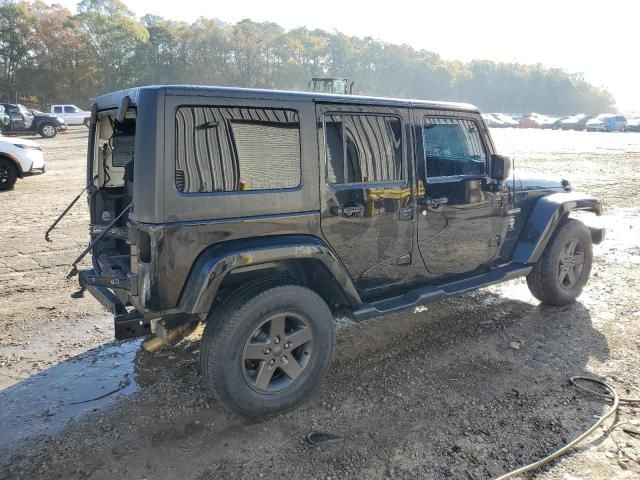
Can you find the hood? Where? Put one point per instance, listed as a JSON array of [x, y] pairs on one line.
[[542, 183], [49, 115], [596, 121], [18, 141]]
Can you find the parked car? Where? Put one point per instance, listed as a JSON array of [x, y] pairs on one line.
[[4, 118], [24, 122], [72, 115], [576, 122], [551, 123], [607, 122], [18, 158], [492, 121], [529, 122], [633, 125], [506, 119], [266, 214]]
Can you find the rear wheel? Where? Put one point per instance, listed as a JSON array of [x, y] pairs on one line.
[[48, 130], [563, 270], [267, 347], [8, 174]]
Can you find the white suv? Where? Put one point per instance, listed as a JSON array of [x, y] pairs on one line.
[[72, 115], [18, 158]]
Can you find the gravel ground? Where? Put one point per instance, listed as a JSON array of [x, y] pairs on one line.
[[469, 387]]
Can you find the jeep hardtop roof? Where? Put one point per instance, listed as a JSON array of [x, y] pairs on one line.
[[113, 99]]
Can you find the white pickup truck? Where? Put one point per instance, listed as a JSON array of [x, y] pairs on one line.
[[72, 115]]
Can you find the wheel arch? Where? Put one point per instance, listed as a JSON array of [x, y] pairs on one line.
[[548, 213], [306, 259]]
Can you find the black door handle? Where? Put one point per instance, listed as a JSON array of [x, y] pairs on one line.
[[433, 202], [347, 212]]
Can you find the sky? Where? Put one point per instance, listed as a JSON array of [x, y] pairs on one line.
[[599, 39]]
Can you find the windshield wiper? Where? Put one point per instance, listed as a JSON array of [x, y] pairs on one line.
[[73, 202], [74, 265]]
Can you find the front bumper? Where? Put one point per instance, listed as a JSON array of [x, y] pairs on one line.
[[31, 162], [35, 171]]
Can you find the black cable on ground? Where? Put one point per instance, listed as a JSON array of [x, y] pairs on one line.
[[614, 408]]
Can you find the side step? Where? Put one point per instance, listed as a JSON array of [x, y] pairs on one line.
[[434, 293]]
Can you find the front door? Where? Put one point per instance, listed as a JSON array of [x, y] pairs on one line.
[[460, 220], [366, 197]]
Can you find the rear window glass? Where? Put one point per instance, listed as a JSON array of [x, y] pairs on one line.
[[363, 148], [229, 149]]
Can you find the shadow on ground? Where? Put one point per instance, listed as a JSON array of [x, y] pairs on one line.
[[474, 386]]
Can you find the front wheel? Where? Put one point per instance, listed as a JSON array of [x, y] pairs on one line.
[[267, 348], [48, 130], [8, 174], [87, 122], [563, 270]]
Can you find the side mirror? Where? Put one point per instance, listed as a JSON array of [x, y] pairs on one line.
[[500, 167]]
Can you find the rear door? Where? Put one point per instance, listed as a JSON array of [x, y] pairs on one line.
[[366, 199], [16, 118], [460, 220]]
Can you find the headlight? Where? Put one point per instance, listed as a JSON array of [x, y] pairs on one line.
[[27, 147], [60, 119]]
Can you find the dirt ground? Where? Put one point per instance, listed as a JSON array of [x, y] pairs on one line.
[[470, 387]]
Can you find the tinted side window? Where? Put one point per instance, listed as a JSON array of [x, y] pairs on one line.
[[57, 109], [221, 149], [363, 148], [69, 110], [452, 147]]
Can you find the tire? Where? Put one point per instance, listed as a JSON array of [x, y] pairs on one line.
[[47, 130], [558, 278], [8, 174], [236, 367], [87, 122]]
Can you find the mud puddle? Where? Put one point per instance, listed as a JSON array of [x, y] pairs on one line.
[[47, 401]]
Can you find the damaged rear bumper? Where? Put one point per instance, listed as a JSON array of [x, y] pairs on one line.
[[127, 324]]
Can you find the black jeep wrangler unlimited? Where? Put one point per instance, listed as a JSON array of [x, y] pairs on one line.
[[266, 214]]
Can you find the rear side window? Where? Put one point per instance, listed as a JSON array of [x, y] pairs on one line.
[[229, 149], [57, 109], [452, 147], [363, 148]]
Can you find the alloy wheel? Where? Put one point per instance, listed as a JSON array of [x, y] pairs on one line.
[[4, 174], [571, 264], [277, 352]]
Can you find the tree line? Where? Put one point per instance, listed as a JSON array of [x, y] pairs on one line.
[[49, 55]]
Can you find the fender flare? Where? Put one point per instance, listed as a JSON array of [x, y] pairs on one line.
[[215, 262], [543, 220]]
